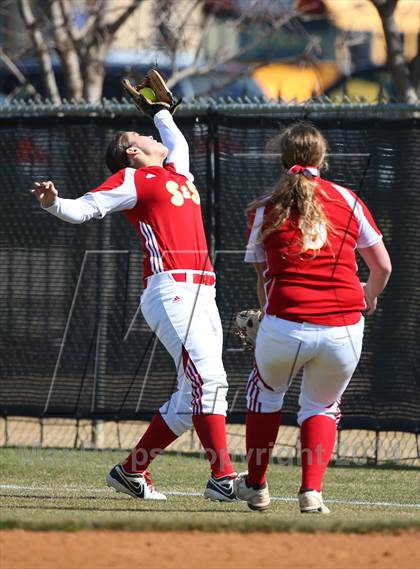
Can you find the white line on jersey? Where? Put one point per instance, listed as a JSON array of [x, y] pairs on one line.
[[152, 246]]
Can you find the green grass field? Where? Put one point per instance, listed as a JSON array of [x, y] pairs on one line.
[[65, 489]]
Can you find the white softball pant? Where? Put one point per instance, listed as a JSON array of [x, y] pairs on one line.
[[185, 318], [329, 355]]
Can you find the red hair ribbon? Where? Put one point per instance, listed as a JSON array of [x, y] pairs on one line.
[[307, 171]]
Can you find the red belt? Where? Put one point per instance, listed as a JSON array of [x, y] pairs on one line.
[[197, 278]]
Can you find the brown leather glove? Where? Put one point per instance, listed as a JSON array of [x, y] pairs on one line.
[[164, 97]]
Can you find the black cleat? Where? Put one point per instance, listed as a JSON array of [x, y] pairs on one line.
[[138, 485], [221, 489]]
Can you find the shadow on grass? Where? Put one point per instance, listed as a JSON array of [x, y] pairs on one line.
[[249, 522], [67, 497], [165, 510]]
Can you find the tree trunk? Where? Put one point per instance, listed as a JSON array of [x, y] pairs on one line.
[[93, 71], [94, 46], [415, 69], [65, 48], [395, 57], [41, 48]]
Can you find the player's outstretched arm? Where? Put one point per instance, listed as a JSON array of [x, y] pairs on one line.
[[175, 142], [116, 194], [73, 211]]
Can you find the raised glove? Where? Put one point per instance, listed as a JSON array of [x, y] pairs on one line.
[[164, 97], [245, 326]]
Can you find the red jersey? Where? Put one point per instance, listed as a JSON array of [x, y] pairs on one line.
[[316, 282], [164, 208]]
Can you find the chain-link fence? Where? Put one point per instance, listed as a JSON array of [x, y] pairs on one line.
[[353, 446], [70, 293]]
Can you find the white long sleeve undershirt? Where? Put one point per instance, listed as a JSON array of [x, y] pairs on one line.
[[99, 204], [175, 142]]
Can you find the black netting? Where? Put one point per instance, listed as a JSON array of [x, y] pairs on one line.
[[70, 293], [379, 161]]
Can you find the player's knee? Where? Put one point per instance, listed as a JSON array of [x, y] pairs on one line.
[[264, 402], [306, 412], [215, 387], [178, 421]]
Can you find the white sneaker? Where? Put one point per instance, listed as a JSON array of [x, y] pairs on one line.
[[138, 485], [256, 498], [311, 502]]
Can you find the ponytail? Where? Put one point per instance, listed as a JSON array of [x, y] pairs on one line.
[[295, 192]]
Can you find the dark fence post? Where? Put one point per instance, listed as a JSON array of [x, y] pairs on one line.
[[214, 116]]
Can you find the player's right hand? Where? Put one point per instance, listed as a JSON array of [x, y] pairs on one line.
[[45, 193]]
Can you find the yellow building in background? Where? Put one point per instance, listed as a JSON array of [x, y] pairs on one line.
[[299, 82]]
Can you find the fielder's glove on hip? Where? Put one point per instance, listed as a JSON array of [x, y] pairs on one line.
[[164, 97], [245, 326]]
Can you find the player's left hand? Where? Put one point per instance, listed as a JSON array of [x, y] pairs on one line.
[[45, 192], [371, 301]]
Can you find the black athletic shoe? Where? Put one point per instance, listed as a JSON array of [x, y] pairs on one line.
[[138, 485], [221, 489]]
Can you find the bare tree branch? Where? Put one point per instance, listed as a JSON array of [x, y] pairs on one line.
[[41, 49], [387, 7], [190, 11], [203, 37], [114, 26], [220, 58], [208, 22], [395, 55], [89, 27], [245, 15], [83, 51], [17, 73]]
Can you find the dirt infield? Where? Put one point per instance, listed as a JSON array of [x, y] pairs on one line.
[[117, 550]]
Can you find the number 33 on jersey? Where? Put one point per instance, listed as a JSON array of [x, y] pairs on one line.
[[183, 192], [167, 218]]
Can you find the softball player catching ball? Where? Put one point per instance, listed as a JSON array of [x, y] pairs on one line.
[[302, 241], [178, 301]]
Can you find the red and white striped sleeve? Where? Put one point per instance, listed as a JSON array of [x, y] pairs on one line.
[[255, 252], [369, 234], [117, 193]]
